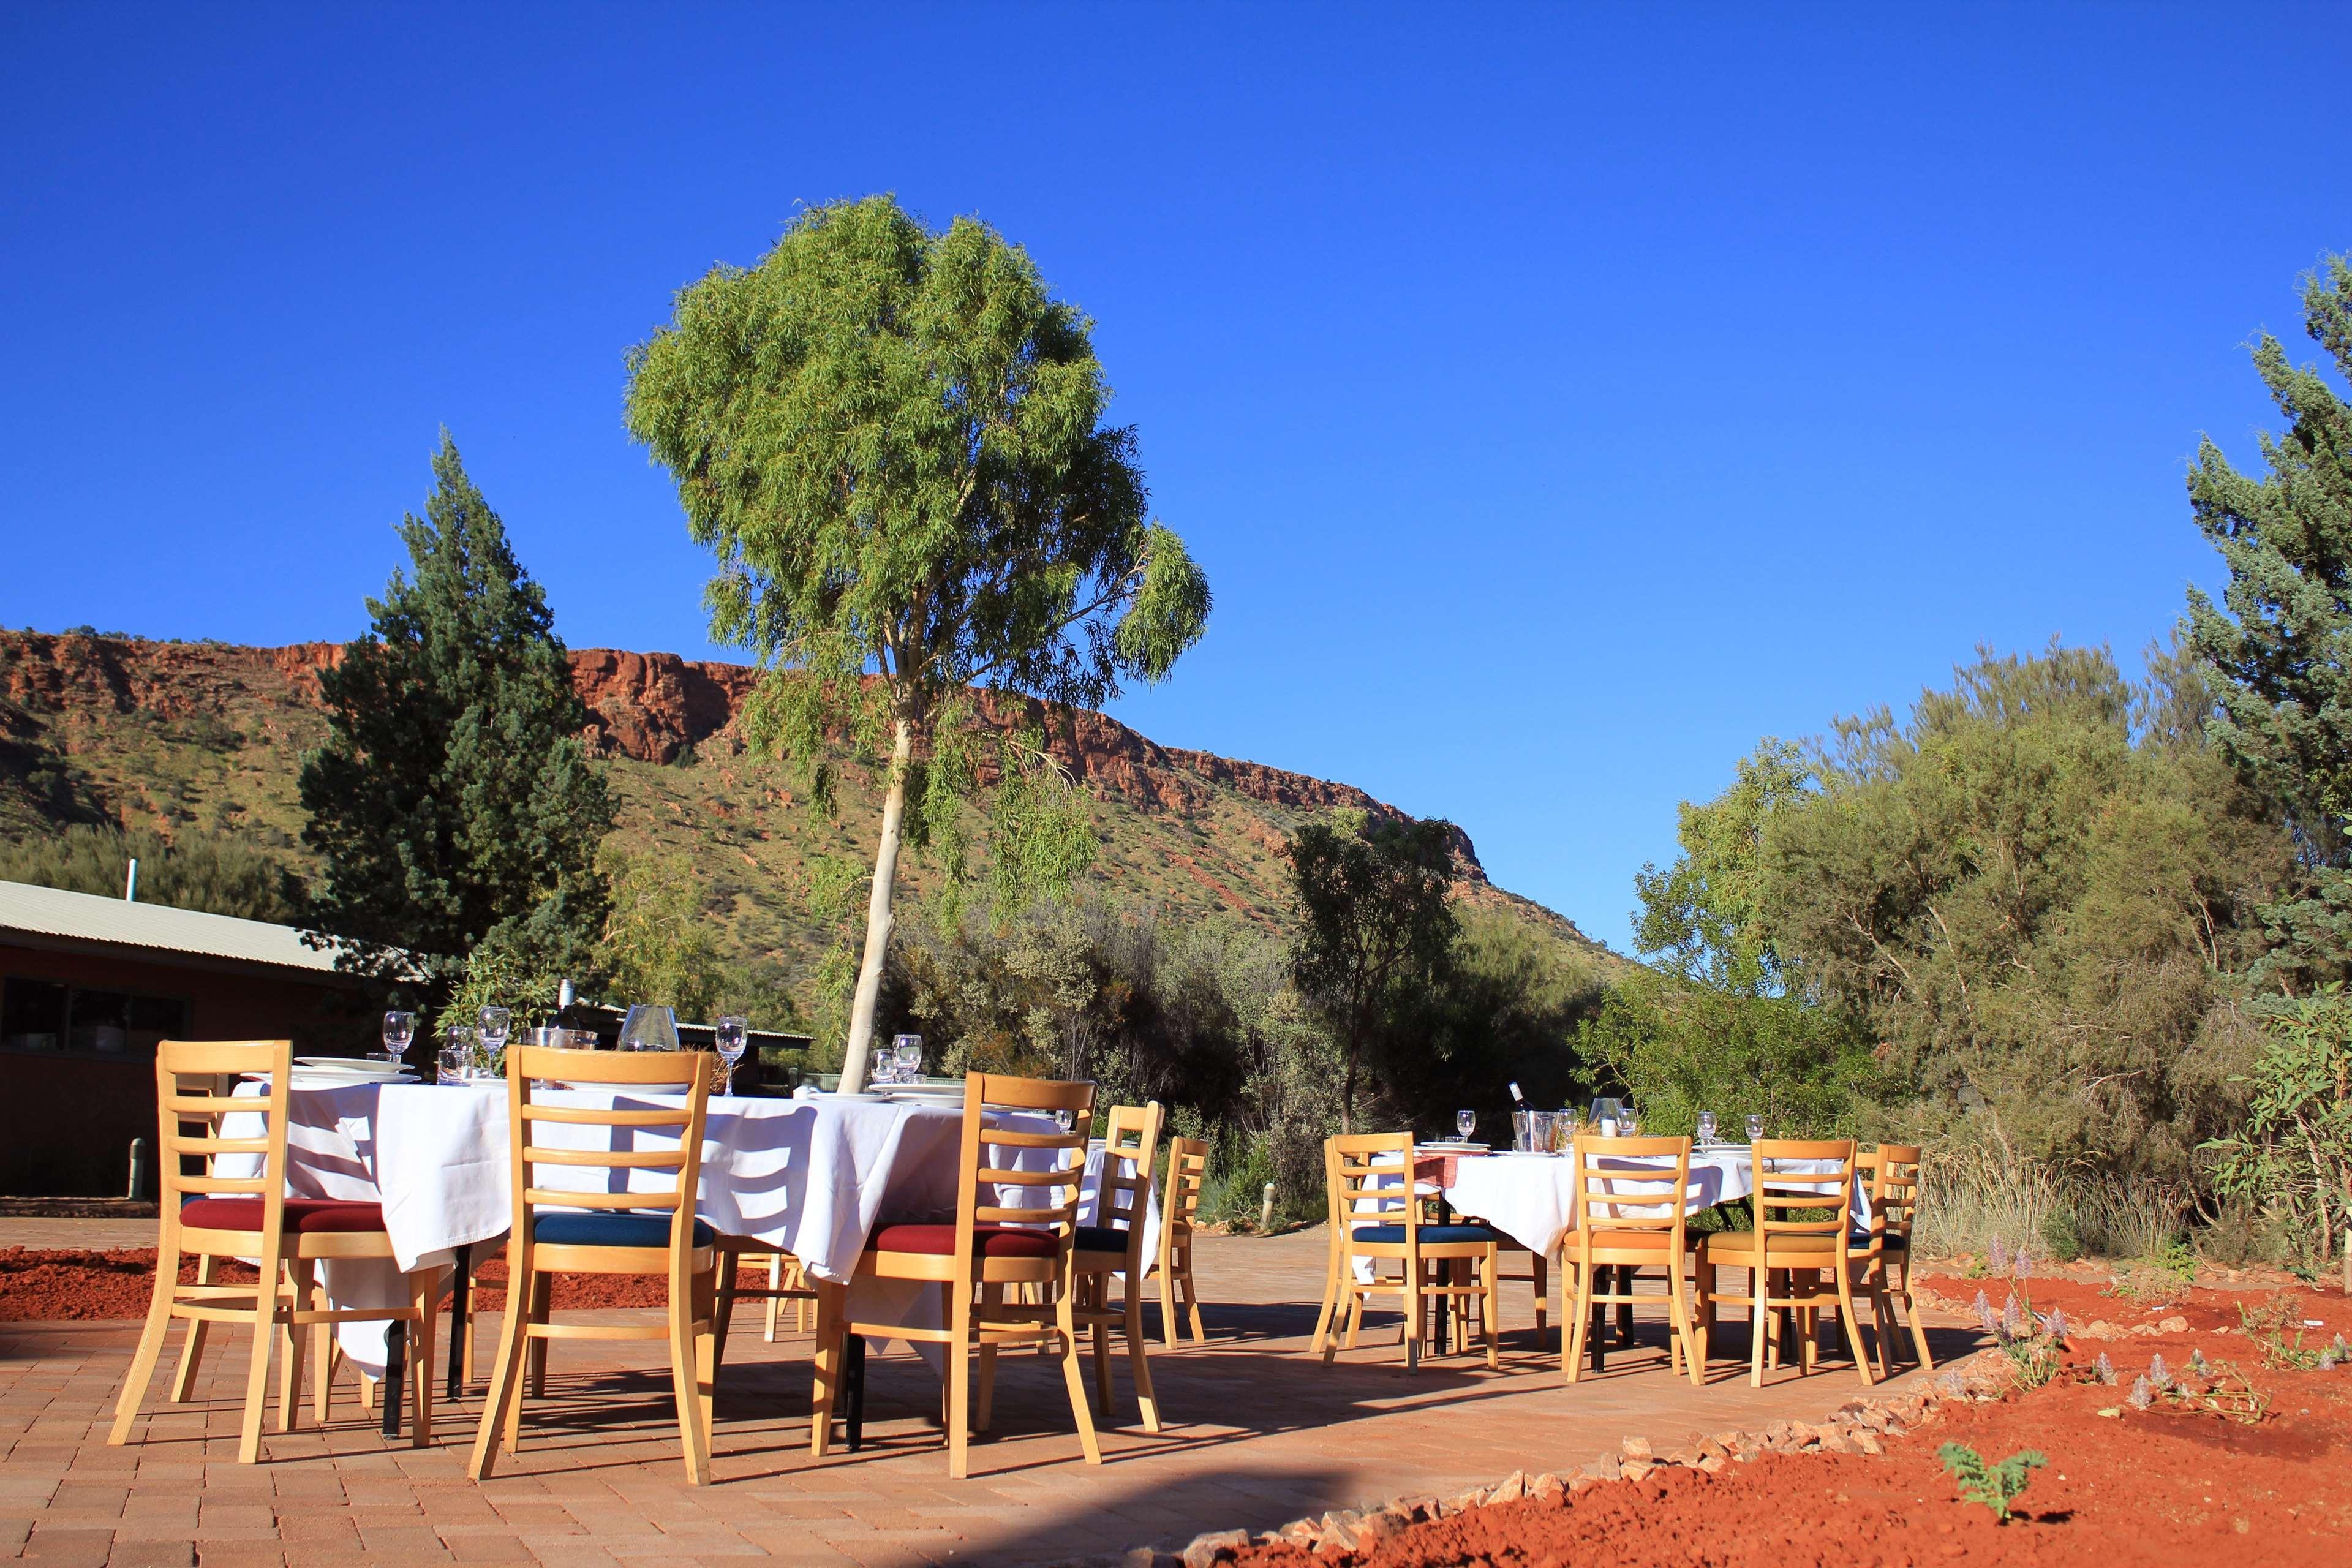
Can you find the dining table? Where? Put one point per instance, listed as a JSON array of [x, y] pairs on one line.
[[814, 1176], [1530, 1197]]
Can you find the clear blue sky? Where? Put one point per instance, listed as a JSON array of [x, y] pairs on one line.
[[1559, 400]]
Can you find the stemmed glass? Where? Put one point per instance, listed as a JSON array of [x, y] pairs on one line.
[[1706, 1128], [1605, 1116], [904, 1061], [496, 1024], [731, 1035], [1465, 1122], [457, 1054], [399, 1028], [1755, 1128]]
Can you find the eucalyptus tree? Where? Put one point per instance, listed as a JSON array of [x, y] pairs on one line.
[[893, 440]]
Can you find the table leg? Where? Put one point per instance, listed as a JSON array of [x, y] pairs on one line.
[[1442, 1303], [854, 1375], [1597, 1332], [396, 1366], [458, 1327]]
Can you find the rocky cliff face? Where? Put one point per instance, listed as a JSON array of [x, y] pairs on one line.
[[649, 707]]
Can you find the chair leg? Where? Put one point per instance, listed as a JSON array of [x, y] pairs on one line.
[[1324, 1325], [683, 1386], [1759, 1319], [425, 1297], [1070, 1375], [722, 1307], [1491, 1309], [465, 1372], [825, 1357], [150, 1347], [960, 1382], [542, 1302], [327, 1356], [191, 1345], [505, 1397], [1355, 1312], [1576, 1300], [984, 1411], [1192, 1293], [257, 1376], [294, 1343], [1539, 1277], [1853, 1325], [705, 1358], [1678, 1304], [1703, 1284], [1095, 1286], [1138, 1361], [1415, 1274], [775, 1282]]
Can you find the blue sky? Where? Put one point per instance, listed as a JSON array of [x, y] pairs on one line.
[[1559, 399]]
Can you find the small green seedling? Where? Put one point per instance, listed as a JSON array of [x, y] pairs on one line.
[[1995, 1485]]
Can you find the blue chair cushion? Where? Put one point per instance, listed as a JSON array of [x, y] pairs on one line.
[[615, 1229], [1101, 1238], [1431, 1234]]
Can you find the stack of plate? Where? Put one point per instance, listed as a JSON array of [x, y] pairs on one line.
[[945, 1093], [338, 1072]]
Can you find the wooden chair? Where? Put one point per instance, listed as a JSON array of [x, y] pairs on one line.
[[1112, 1248], [993, 1247], [1893, 1187], [1630, 1210], [786, 1282], [1368, 1183], [633, 1231], [212, 1217], [1793, 1246], [1180, 1202]]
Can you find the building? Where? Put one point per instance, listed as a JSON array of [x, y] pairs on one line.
[[88, 984]]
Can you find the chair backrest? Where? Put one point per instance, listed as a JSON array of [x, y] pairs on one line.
[[993, 1156], [1123, 1197], [637, 1131], [1895, 1191], [1795, 1177], [1623, 1185], [193, 1085], [1367, 1179], [1180, 1198]]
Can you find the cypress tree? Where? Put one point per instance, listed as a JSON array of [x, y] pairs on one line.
[[453, 803]]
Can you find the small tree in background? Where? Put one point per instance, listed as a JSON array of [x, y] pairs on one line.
[[893, 440], [454, 804], [2286, 687], [1376, 927]]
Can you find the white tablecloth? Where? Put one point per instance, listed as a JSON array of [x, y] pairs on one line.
[[1531, 1198], [814, 1177]]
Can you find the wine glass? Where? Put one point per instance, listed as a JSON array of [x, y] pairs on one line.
[[1706, 1127], [1630, 1121], [1465, 1122], [399, 1028], [1605, 1116], [731, 1033], [496, 1023], [457, 1054], [905, 1058], [1755, 1128]]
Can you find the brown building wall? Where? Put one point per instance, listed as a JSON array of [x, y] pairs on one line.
[[67, 1118]]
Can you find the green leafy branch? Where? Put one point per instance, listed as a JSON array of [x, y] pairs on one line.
[[1995, 1485]]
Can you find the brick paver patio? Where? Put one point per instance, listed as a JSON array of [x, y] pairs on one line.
[[1259, 1433]]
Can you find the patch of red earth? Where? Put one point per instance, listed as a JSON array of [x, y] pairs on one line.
[[2090, 1299], [2164, 1487], [44, 1285]]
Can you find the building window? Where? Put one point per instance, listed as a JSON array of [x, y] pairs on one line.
[[46, 1015]]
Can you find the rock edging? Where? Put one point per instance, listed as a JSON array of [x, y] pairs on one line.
[[1858, 1426]]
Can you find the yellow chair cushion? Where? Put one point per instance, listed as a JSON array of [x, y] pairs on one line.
[[1783, 1245]]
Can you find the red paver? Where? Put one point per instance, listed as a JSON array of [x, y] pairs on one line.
[[1259, 1432]]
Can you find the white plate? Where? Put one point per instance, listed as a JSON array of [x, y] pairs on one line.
[[943, 1101], [1448, 1146], [863, 1096], [321, 1077], [361, 1065]]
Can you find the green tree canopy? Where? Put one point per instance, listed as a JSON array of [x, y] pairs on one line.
[[1376, 930], [1703, 914], [893, 438], [453, 803], [2282, 639], [2034, 895], [190, 871]]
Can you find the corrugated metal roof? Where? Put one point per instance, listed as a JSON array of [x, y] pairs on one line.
[[49, 911]]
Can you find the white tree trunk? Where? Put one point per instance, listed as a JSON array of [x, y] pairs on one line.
[[878, 916]]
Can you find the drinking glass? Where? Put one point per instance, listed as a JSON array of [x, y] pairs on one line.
[[399, 1028], [1755, 1128], [1464, 1123], [731, 1033], [905, 1058], [497, 1023], [457, 1054], [1706, 1127], [1629, 1122]]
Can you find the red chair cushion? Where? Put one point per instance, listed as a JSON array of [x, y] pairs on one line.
[[940, 1240], [303, 1216]]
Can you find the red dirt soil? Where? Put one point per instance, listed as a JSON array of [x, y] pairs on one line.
[[2162, 1487], [46, 1285]]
